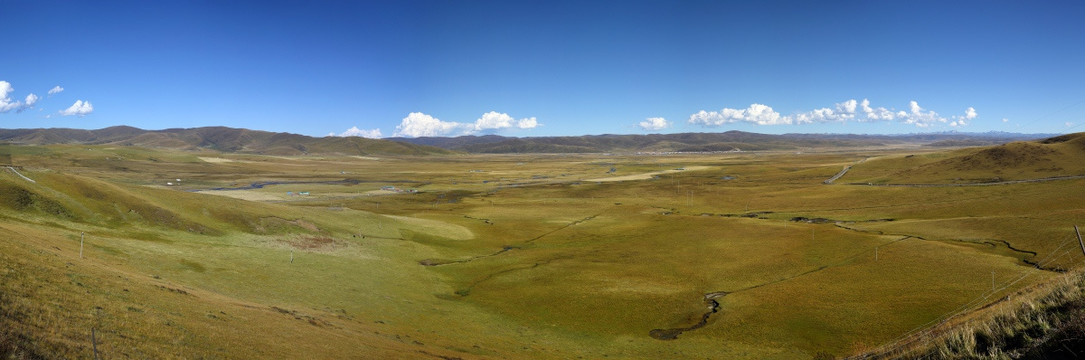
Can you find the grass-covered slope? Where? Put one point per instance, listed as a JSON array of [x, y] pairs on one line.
[[174, 274], [1053, 157]]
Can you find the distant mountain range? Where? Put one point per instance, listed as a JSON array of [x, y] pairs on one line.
[[263, 142], [705, 142]]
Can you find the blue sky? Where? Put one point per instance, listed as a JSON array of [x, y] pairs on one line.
[[543, 68]]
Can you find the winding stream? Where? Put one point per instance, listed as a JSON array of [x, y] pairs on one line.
[[713, 307]]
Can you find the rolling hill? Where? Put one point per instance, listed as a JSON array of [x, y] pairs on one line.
[[218, 138], [1058, 156]]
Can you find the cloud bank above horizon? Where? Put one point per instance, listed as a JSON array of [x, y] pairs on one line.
[[850, 110], [419, 124], [355, 131]]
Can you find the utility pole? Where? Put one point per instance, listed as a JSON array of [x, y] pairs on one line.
[[81, 244]]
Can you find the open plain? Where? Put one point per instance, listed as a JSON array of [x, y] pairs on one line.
[[135, 252]]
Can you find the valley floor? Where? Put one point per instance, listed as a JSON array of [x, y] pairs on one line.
[[131, 253]]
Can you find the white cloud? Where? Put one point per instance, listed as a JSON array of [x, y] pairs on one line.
[[757, 113], [1005, 120], [355, 131], [841, 112], [1069, 124], [914, 107], [847, 106], [713, 118], [495, 121], [80, 108], [919, 117], [30, 100], [417, 124], [527, 123], [654, 124], [55, 90], [969, 114], [8, 104], [879, 113], [764, 115]]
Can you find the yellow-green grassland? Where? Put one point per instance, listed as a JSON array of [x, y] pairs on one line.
[[136, 252]]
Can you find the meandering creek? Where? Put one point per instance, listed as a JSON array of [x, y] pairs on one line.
[[713, 307]]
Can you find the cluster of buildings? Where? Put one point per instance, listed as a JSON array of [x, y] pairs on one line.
[[398, 190]]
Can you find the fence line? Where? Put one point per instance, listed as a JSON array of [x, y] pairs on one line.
[[926, 329]]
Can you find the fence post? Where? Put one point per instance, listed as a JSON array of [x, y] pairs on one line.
[[1078, 232], [94, 343]]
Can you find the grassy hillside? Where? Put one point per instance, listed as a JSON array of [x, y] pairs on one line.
[[1052, 157], [145, 249]]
